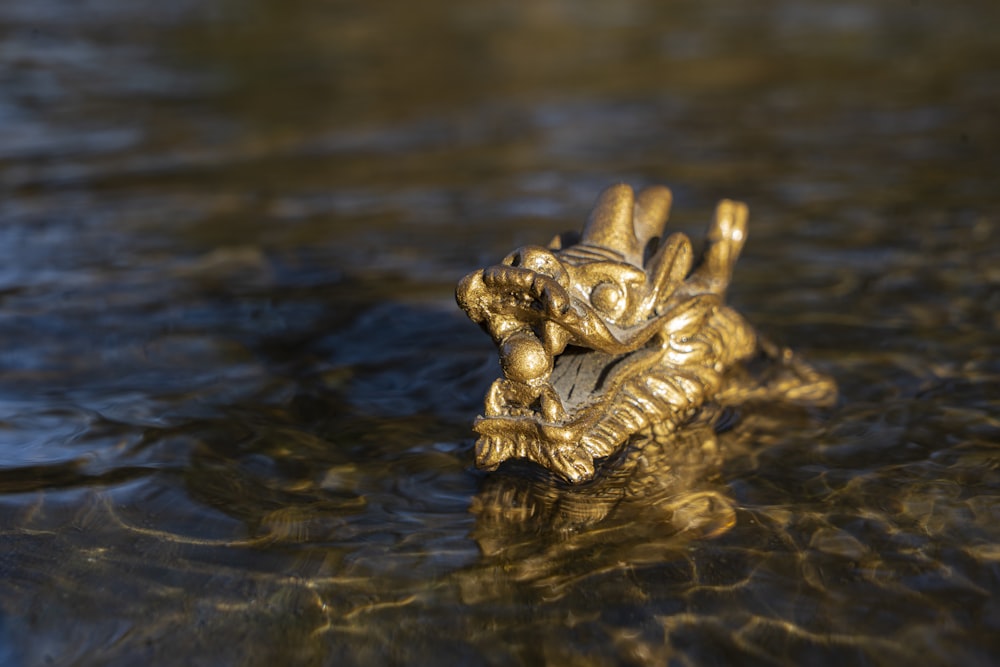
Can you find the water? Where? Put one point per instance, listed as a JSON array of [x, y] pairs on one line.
[[235, 394]]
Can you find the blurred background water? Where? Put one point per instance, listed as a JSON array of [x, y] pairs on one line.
[[235, 394]]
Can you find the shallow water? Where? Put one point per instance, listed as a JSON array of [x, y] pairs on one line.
[[235, 394]]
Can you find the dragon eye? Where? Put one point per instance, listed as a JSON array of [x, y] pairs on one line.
[[608, 298]]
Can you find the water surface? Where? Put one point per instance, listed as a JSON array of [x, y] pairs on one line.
[[236, 396]]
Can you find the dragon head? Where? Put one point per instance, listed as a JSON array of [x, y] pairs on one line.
[[605, 334]]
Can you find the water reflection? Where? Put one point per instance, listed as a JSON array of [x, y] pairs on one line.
[[647, 505]]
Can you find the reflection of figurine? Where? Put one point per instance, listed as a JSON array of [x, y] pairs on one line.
[[612, 333], [536, 533], [654, 478]]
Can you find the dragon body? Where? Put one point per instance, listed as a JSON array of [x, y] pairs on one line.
[[615, 332]]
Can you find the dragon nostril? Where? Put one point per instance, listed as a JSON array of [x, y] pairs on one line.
[[542, 261], [514, 259]]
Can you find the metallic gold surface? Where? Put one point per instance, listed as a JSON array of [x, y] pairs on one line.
[[617, 332]]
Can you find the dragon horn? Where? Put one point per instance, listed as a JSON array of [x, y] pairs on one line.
[[610, 223], [652, 206], [726, 236]]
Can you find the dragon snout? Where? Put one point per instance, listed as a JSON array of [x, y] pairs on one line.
[[540, 260], [502, 282]]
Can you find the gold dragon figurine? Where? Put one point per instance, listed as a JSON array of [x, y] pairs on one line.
[[618, 332]]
